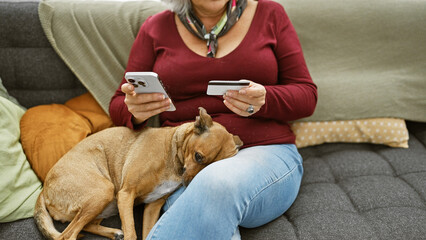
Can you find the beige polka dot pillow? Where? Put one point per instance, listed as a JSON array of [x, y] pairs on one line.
[[389, 131]]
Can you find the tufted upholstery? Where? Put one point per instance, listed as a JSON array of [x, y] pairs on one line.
[[358, 191], [349, 191], [29, 67]]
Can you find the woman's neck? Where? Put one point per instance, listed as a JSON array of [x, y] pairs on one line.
[[209, 18]]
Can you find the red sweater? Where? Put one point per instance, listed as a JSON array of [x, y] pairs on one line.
[[270, 54]]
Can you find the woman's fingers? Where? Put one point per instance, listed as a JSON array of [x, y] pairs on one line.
[[237, 107], [254, 90], [144, 106], [127, 88], [246, 101], [141, 116], [148, 106]]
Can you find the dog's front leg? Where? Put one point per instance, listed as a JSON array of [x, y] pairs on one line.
[[125, 202], [151, 214]]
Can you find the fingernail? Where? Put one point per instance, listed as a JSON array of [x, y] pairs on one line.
[[242, 91]]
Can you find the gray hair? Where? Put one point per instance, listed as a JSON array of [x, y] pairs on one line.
[[178, 6]]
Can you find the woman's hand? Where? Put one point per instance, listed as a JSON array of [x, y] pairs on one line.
[[240, 101], [144, 106]]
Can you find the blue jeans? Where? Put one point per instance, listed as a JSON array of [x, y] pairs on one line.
[[250, 189]]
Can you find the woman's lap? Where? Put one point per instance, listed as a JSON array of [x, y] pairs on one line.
[[250, 189]]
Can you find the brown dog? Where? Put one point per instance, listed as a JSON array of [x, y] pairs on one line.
[[118, 167]]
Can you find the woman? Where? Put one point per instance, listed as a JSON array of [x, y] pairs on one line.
[[245, 39]]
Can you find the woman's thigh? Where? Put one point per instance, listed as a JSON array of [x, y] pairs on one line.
[[253, 187]]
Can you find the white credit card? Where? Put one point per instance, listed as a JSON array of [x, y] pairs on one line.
[[219, 87]]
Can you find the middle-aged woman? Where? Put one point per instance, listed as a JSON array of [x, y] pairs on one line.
[[203, 40]]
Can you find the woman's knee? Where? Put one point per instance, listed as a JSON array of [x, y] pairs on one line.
[[215, 180], [212, 185]]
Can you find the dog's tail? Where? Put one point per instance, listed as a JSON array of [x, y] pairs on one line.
[[44, 220]]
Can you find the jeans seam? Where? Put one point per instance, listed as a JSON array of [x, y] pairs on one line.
[[154, 229], [267, 186]]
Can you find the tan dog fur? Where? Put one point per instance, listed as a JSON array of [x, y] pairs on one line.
[[119, 167]]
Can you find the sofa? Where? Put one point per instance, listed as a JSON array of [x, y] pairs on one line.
[[350, 190]]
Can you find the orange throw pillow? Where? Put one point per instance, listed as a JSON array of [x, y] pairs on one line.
[[49, 131], [89, 108]]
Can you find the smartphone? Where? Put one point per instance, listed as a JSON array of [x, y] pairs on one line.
[[147, 82], [219, 87]]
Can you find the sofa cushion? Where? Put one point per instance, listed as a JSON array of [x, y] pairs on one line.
[[18, 183], [50, 131], [357, 191], [364, 56], [389, 131], [29, 67]]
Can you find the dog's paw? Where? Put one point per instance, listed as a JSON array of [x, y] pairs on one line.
[[119, 236]]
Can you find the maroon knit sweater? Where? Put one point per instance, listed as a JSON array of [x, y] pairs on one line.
[[270, 54]]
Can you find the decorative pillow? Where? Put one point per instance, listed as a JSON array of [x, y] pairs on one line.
[[89, 108], [49, 131], [389, 131], [18, 183]]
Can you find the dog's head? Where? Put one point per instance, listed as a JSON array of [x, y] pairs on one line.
[[201, 143]]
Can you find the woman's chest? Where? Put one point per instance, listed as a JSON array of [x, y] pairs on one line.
[[186, 74], [228, 42]]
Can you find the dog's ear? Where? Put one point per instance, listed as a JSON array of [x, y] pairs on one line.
[[238, 141], [202, 122]]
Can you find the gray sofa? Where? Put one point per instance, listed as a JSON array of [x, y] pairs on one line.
[[349, 191]]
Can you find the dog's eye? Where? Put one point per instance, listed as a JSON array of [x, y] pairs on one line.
[[198, 157]]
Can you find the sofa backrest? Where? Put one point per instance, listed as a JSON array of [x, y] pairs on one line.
[[30, 69]]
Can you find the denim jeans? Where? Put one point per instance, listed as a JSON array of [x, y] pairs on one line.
[[250, 189]]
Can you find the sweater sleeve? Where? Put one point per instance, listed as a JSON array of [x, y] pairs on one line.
[[141, 58], [295, 95]]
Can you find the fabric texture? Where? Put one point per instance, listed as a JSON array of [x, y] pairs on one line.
[[18, 183], [30, 69], [5, 94], [365, 56], [275, 60], [87, 107], [388, 131], [50, 131], [357, 57], [94, 38], [356, 191]]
